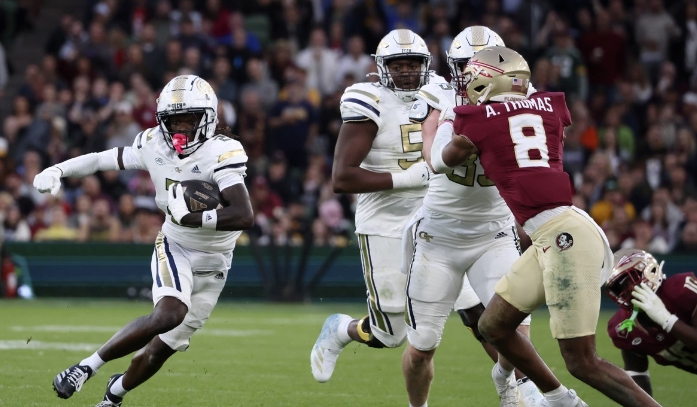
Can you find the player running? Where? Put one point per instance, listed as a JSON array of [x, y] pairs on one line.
[[463, 233], [378, 156], [519, 143], [658, 315], [193, 252]]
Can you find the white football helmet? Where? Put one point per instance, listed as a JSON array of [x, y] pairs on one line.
[[188, 94], [398, 44], [464, 46], [633, 267]]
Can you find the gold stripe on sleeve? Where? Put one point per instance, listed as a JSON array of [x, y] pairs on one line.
[[224, 156]]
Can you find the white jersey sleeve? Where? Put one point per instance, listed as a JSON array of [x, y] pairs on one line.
[[360, 103], [231, 164], [437, 95]]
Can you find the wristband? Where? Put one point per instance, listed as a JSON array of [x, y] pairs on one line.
[[634, 373], [401, 180], [209, 219], [668, 325]]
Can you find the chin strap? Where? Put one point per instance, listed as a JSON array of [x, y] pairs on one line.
[[629, 323]]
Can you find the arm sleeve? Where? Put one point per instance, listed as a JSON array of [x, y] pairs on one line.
[[443, 136]]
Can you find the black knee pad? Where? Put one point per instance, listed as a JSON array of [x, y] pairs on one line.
[[470, 317], [363, 329]]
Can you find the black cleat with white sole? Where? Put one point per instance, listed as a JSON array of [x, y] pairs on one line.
[[71, 380], [110, 400]]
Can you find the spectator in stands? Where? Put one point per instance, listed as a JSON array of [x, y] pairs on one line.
[[603, 210], [101, 226], [16, 228], [293, 126], [259, 82], [319, 62], [355, 62], [603, 51], [58, 229]]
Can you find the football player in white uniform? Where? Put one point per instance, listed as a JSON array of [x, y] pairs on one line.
[[463, 234], [378, 156], [193, 252]]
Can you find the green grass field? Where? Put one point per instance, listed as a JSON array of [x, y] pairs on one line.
[[254, 354]]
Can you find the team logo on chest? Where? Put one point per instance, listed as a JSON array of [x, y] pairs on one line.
[[564, 241], [159, 161]]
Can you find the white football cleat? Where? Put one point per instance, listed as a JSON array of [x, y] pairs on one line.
[[529, 395], [327, 348], [571, 400], [507, 390]]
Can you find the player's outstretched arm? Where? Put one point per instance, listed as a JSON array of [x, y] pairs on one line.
[[637, 366], [449, 149], [120, 158], [236, 215], [428, 133]]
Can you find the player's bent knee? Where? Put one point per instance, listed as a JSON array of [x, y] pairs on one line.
[[424, 339]]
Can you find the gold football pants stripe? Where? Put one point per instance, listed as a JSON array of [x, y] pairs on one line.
[[162, 266], [368, 275]]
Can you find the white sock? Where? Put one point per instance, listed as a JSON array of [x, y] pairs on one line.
[[425, 405], [117, 388], [343, 331], [560, 398], [94, 362], [500, 374]]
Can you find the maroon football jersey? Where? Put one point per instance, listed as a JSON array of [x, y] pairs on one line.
[[520, 149], [679, 294]]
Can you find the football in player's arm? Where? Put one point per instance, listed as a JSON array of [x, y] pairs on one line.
[[193, 251], [657, 316]]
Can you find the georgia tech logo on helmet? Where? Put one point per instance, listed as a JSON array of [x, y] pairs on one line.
[[204, 87]]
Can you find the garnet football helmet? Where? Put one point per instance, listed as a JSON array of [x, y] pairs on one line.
[[496, 74], [398, 44], [188, 94], [633, 267], [462, 49]]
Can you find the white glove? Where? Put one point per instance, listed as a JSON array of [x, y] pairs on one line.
[[49, 180], [415, 176], [647, 300], [177, 205], [447, 114]]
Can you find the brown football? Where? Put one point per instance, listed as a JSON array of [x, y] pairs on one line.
[[201, 195]]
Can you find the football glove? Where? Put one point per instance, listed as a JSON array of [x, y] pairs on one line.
[[176, 203], [415, 176], [647, 300], [48, 180]]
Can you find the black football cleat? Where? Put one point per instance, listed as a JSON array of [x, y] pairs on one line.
[[71, 380]]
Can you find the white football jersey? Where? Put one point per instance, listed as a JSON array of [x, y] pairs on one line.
[[216, 158], [464, 192], [396, 147]]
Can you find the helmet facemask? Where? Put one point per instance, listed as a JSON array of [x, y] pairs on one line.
[[633, 267], [398, 45], [187, 94], [463, 47], [194, 138]]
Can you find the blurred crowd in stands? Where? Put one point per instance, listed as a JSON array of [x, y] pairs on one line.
[[279, 67]]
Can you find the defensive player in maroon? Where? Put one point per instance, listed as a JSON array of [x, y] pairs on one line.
[[519, 143], [658, 315]]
